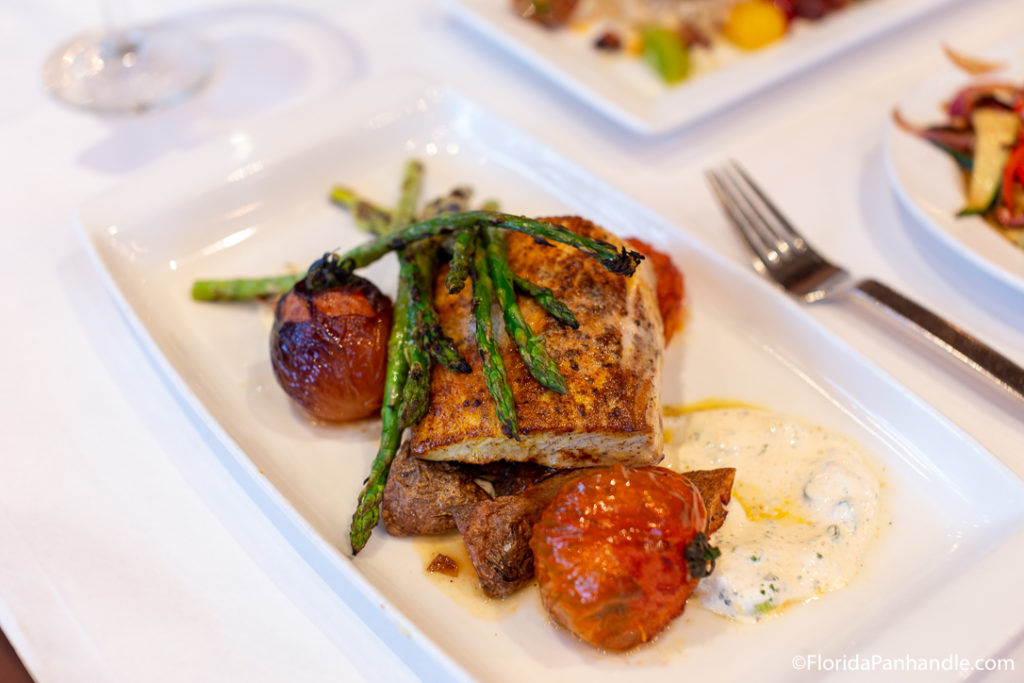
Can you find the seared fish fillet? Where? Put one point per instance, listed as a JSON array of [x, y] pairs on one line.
[[612, 365]]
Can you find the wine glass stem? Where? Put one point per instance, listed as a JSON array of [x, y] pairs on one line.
[[126, 67], [123, 37], [115, 15]]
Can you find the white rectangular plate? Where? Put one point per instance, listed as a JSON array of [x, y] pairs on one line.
[[255, 203], [628, 92]]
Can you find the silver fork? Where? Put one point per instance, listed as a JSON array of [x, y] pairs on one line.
[[786, 257]]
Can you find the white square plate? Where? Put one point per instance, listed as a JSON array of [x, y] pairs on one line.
[[628, 92], [255, 203]]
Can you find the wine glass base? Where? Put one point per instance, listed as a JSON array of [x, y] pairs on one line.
[[131, 71]]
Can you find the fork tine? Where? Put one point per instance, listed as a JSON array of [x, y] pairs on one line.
[[781, 252], [794, 238], [743, 217], [761, 216]]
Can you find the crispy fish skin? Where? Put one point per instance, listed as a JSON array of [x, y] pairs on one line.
[[611, 364]]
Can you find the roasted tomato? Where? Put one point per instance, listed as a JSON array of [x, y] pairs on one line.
[[671, 287], [329, 348], [612, 553]]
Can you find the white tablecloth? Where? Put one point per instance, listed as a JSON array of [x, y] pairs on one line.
[[96, 449]]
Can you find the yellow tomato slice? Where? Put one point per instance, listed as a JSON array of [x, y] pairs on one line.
[[754, 24]]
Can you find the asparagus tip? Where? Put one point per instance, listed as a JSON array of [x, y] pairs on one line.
[[625, 262], [510, 431], [363, 521], [557, 383]]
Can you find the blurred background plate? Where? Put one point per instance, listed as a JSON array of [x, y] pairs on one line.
[[931, 186], [627, 90]]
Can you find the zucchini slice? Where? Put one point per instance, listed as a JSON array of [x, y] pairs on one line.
[[996, 131]]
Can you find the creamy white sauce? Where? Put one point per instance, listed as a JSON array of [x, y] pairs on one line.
[[804, 509]]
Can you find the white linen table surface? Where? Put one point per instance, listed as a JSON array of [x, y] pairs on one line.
[[129, 553]]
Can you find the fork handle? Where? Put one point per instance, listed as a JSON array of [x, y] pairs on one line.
[[970, 350]]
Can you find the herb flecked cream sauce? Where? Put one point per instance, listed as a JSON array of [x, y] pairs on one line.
[[804, 509]]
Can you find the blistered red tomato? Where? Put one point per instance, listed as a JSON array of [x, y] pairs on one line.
[[329, 348], [610, 553]]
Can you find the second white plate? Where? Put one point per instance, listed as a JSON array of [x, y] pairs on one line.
[[930, 185], [626, 90]]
